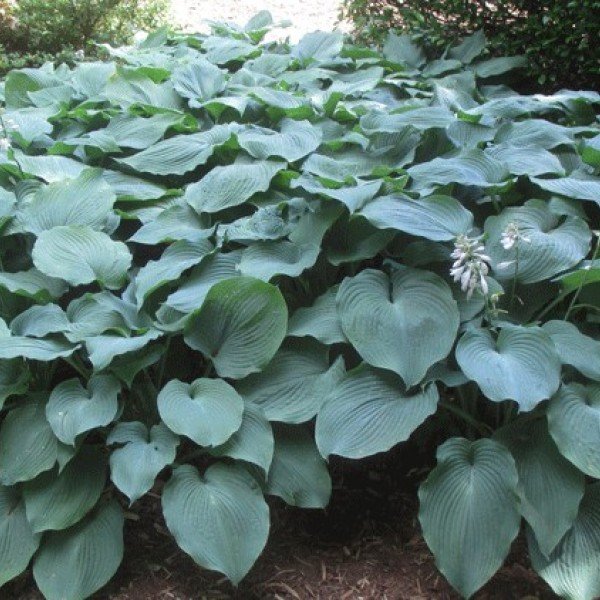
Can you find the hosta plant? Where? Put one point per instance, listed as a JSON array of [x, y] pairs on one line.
[[224, 261]]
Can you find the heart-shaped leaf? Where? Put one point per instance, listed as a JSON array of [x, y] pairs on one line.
[[575, 348], [134, 467], [208, 411], [404, 323], [546, 244], [520, 365], [225, 505], [73, 409], [469, 511], [574, 423]]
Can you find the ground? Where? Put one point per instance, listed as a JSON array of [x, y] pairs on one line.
[[365, 546], [305, 15]]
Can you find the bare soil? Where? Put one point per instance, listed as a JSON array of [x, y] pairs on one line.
[[365, 546]]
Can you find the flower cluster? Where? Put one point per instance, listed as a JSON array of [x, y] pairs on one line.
[[470, 265], [7, 126], [511, 235]]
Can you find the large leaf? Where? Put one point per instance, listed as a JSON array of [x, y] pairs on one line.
[[550, 487], [86, 200], [252, 442], [231, 185], [208, 411], [438, 218], [521, 364], [176, 259], [573, 569], [469, 511], [319, 46], [240, 326], [27, 444], [295, 140], [58, 500], [225, 505], [19, 542], [370, 411], [80, 255], [179, 154], [73, 409], [579, 188], [404, 323], [292, 387], [214, 268], [320, 321], [72, 564], [134, 466], [548, 243], [298, 474], [574, 423], [575, 348], [199, 81]]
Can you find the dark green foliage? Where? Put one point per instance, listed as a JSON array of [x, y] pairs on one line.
[[558, 37], [36, 31]]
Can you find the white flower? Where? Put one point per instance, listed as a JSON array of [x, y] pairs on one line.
[[470, 266], [4, 144], [79, 55], [140, 36], [511, 235]]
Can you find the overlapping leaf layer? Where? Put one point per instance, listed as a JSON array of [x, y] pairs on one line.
[[223, 261]]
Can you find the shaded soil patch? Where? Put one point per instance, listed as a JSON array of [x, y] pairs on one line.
[[365, 546]]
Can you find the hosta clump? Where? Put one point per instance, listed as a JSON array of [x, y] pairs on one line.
[[224, 261]]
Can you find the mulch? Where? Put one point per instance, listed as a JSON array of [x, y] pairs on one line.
[[365, 546]]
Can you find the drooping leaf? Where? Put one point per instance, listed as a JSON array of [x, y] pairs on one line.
[[575, 348], [469, 511], [370, 411], [80, 255], [240, 326], [28, 446], [231, 185], [572, 569], [292, 387], [58, 500], [76, 562], [225, 504], [550, 487], [19, 542], [298, 474], [252, 442]]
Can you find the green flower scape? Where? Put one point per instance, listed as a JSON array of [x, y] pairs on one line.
[[225, 260]]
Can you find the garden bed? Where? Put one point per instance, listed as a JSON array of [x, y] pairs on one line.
[[366, 545]]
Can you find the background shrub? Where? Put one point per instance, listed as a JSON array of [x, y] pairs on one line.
[[558, 37], [35, 31]]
